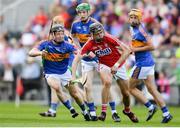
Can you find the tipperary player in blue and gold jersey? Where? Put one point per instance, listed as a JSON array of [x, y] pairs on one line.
[[56, 54], [54, 101], [144, 66]]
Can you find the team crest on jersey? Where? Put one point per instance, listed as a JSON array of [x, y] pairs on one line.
[[103, 52], [84, 28]]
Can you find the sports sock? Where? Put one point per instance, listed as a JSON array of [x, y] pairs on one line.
[[54, 106], [67, 104], [92, 109], [127, 109], [113, 107], [149, 105], [165, 111], [104, 107]]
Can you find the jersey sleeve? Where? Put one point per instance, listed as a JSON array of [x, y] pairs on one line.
[[73, 30], [71, 48], [112, 40], [42, 45]]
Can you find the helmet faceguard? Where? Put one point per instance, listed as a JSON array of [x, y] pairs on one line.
[[95, 28], [97, 31], [58, 33]]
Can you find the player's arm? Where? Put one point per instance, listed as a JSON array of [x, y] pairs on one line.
[[75, 63], [148, 47], [122, 48], [73, 36], [125, 52], [37, 50], [75, 41], [80, 54]]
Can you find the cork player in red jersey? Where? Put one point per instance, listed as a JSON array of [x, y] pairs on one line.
[[111, 54]]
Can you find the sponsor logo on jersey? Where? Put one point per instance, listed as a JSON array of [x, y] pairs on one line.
[[103, 52]]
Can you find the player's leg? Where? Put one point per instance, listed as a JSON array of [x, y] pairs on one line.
[[88, 71], [82, 93], [106, 78], [137, 74], [89, 94], [55, 83], [80, 90], [136, 92], [79, 100], [123, 85], [140, 97], [150, 84], [114, 113], [53, 106], [73, 90]]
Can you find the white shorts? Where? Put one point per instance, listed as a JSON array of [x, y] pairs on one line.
[[120, 74], [63, 78], [141, 72], [88, 66]]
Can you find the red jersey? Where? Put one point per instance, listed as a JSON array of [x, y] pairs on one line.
[[105, 50]]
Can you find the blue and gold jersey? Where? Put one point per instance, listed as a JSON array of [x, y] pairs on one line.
[[81, 31], [143, 58], [57, 59]]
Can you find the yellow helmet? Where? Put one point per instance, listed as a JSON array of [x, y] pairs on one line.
[[136, 12], [58, 20]]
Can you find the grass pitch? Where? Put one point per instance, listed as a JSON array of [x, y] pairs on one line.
[[27, 116]]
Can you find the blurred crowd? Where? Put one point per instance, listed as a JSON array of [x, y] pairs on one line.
[[161, 18]]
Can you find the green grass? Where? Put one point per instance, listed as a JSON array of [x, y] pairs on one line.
[[27, 115]]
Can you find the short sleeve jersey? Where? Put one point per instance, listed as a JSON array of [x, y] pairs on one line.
[[143, 58], [57, 59], [105, 50]]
